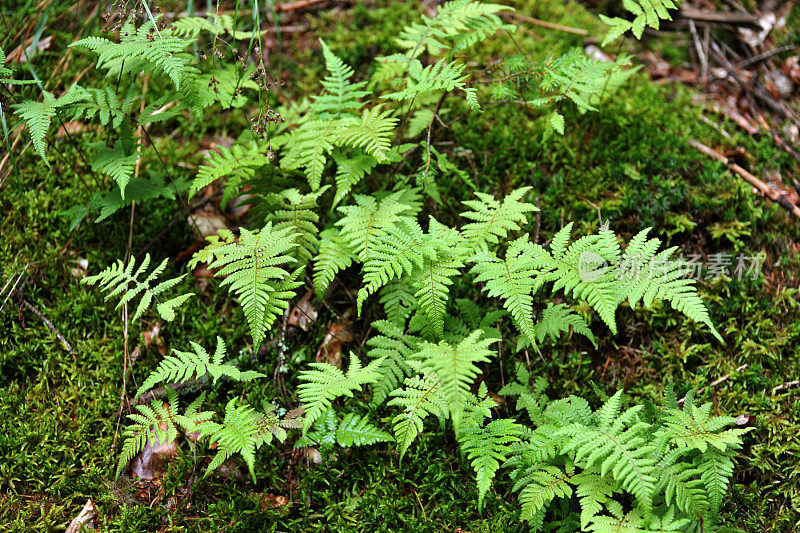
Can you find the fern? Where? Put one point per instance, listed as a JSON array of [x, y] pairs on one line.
[[646, 13], [137, 52], [215, 25], [456, 368], [350, 171], [440, 76], [294, 211], [184, 366], [237, 164], [118, 162], [395, 347], [324, 383], [242, 431], [492, 219], [486, 446], [351, 430], [158, 421], [253, 267], [341, 97], [373, 132], [122, 280], [333, 257], [422, 396]]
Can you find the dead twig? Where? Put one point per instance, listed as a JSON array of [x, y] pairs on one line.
[[716, 382], [759, 185], [787, 385], [49, 325], [545, 24]]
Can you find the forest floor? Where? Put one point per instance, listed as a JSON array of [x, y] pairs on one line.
[[631, 164]]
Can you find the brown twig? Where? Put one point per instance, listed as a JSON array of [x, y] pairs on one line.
[[545, 24], [716, 382], [49, 325], [759, 185]]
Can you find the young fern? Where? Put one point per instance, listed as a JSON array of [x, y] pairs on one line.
[[254, 268], [646, 13], [184, 366], [122, 280]]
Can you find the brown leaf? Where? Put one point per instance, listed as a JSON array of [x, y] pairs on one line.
[[151, 462], [80, 268], [273, 501], [331, 349], [304, 313], [153, 335], [208, 221]]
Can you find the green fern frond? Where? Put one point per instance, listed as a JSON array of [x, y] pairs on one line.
[[560, 318], [398, 301], [350, 171], [401, 251], [333, 257], [538, 486], [237, 164], [395, 347], [341, 97], [458, 25], [137, 52], [354, 430], [242, 431], [486, 447], [184, 366], [119, 161], [253, 266], [646, 13], [422, 396], [441, 76], [649, 275], [290, 209], [373, 132], [514, 279], [122, 280], [192, 27], [324, 383], [37, 116], [494, 219], [456, 367], [695, 429], [366, 223], [307, 147]]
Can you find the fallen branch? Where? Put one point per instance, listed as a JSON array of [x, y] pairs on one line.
[[85, 518], [723, 17], [759, 185], [787, 385], [49, 325]]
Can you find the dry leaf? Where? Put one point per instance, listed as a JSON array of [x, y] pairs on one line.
[[208, 221], [272, 501], [331, 349], [80, 268], [152, 460], [304, 314]]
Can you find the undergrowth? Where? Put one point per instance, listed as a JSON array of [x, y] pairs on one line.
[[434, 193]]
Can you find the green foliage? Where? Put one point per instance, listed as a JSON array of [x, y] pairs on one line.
[[325, 383], [122, 281], [238, 164], [646, 13], [184, 366], [669, 461], [350, 430], [254, 268]]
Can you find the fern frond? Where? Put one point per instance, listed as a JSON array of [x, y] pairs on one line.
[[539, 485], [373, 132], [366, 223], [333, 257], [137, 51], [341, 97], [395, 347], [398, 300], [307, 147], [349, 172], [122, 280], [441, 76], [648, 275], [37, 116], [646, 13], [494, 219], [354, 430], [560, 318], [324, 383], [253, 266], [486, 447], [695, 429], [184, 366], [290, 209], [456, 367], [242, 431], [237, 164], [422, 396], [402, 250], [118, 162]]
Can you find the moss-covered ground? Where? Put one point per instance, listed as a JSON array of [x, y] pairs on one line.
[[629, 164]]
